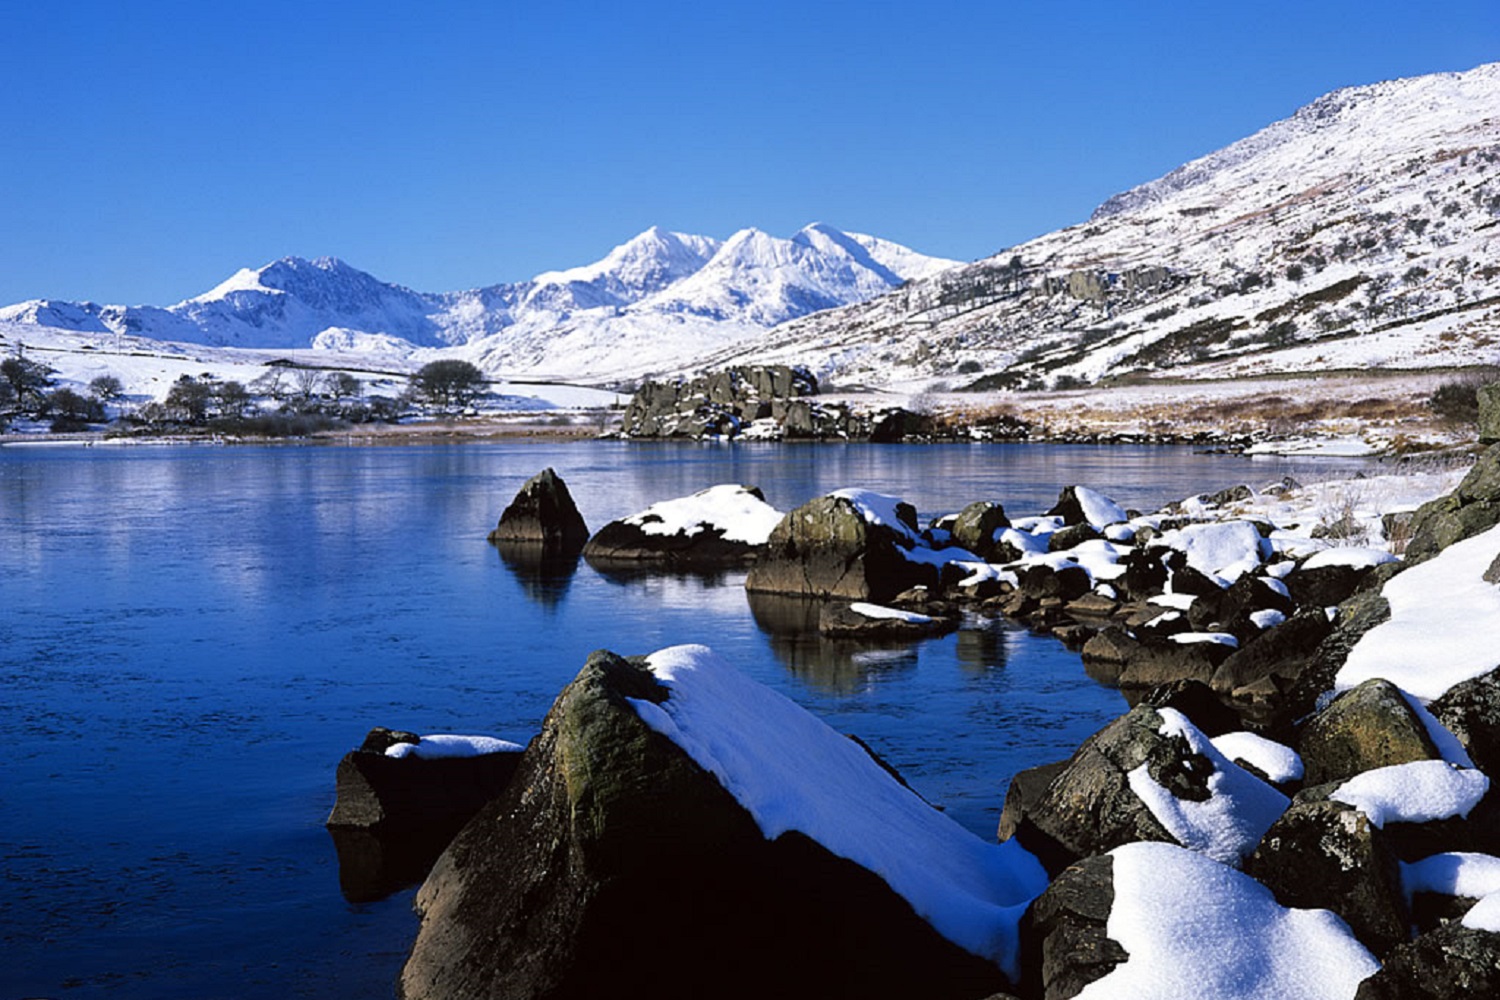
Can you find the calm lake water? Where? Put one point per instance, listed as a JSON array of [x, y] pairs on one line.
[[191, 638]]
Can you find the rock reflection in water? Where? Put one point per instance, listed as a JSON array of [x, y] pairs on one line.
[[374, 865], [836, 666], [982, 645], [544, 576]]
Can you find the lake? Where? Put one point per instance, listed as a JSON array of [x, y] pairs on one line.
[[191, 638]]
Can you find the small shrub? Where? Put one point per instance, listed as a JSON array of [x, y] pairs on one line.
[[1457, 400]]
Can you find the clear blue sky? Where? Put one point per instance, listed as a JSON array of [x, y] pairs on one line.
[[152, 148]]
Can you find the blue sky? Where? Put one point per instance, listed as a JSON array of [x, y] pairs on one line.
[[152, 148]]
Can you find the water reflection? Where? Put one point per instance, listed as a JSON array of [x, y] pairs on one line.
[[983, 645], [834, 666], [373, 866], [544, 576]]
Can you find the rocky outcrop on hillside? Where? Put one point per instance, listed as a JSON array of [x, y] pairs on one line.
[[723, 403]]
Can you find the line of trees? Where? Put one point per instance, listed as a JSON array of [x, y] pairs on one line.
[[302, 397]]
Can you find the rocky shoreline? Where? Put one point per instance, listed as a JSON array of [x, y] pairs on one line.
[[1319, 809]]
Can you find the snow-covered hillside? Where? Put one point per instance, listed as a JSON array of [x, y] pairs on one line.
[[648, 305], [1363, 231]]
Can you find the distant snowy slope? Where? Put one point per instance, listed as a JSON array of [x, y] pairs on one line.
[[1362, 231], [645, 307]]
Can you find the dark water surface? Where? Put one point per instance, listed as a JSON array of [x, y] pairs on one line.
[[191, 637]]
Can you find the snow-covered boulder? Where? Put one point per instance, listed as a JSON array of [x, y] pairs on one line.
[[717, 527], [977, 528], [1329, 855], [1222, 552], [401, 781], [1082, 505], [1149, 775], [875, 622], [853, 544], [1373, 725], [543, 518], [1180, 925], [678, 830]]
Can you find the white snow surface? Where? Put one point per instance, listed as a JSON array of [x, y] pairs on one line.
[[1278, 761], [1098, 509], [1195, 929], [743, 516], [1416, 792], [1454, 873], [866, 610], [442, 745], [1190, 638], [792, 772], [1238, 812], [1355, 557], [1444, 618], [1267, 617], [1484, 915], [1224, 551]]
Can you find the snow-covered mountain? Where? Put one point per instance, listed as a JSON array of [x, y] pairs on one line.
[[1363, 231], [648, 305]]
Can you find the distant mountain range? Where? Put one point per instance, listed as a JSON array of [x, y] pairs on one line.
[[647, 305], [1361, 232]]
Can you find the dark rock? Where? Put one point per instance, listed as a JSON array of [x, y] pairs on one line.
[[1370, 726], [1067, 583], [610, 834], [1025, 791], [1089, 807], [896, 424], [376, 792], [1198, 702], [1451, 961], [826, 548], [1327, 855], [842, 621], [1093, 605], [1116, 657], [1063, 939], [1325, 586], [1471, 710], [1145, 573], [1356, 616], [1072, 536], [1470, 510], [627, 543], [975, 527], [1281, 652], [543, 515], [1488, 397], [1233, 494]]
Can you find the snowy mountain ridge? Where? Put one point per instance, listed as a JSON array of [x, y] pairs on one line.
[[1359, 232], [652, 301]]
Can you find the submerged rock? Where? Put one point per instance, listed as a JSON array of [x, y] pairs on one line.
[[543, 518]]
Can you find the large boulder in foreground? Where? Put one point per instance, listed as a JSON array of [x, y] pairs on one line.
[[543, 518], [719, 527], [1470, 510], [853, 544], [617, 865]]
